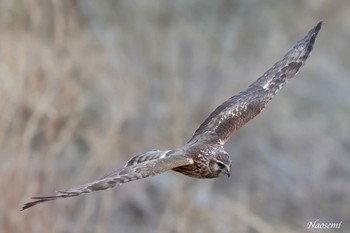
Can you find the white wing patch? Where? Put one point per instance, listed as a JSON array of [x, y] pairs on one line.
[[149, 155], [164, 154]]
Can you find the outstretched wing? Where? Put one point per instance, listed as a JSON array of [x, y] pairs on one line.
[[239, 109], [149, 155], [119, 176]]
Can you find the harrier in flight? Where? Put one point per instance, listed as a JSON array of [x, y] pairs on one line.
[[204, 156]]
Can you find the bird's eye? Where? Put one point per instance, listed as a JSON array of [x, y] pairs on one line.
[[221, 165]]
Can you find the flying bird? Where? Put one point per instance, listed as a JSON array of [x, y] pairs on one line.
[[204, 156]]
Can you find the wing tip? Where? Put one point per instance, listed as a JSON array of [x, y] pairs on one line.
[[319, 25], [314, 31], [38, 200], [308, 41]]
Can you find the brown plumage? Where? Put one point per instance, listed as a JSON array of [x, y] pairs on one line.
[[204, 156]]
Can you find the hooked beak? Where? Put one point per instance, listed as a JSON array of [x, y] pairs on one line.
[[228, 170]]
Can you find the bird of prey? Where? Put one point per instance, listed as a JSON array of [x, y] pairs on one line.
[[203, 156]]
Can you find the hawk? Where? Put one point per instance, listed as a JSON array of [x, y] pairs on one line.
[[203, 156]]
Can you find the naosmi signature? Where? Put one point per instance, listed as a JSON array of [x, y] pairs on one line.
[[323, 225]]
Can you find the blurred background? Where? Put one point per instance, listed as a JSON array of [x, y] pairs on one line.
[[85, 85]]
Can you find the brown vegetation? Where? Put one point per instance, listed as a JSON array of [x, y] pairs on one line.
[[84, 85]]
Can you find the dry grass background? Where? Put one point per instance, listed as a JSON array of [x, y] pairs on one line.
[[84, 85]]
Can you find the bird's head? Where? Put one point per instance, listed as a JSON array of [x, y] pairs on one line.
[[220, 164]]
